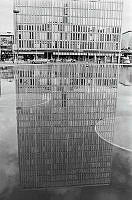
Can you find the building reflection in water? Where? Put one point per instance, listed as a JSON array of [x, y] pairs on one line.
[[58, 106]]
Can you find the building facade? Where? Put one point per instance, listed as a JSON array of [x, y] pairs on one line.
[[59, 104], [6, 45], [126, 47], [81, 29], [126, 40], [58, 107]]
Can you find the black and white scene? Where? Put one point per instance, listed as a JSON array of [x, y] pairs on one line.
[[65, 100]]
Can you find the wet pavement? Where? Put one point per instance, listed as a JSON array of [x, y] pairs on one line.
[[120, 189]]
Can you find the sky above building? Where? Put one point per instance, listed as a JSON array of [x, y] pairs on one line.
[[6, 16]]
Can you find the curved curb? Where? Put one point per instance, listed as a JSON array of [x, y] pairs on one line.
[[115, 145]]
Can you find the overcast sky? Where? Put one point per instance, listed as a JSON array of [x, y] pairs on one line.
[[6, 15]]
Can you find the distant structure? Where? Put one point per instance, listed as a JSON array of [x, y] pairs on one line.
[[126, 40], [126, 47], [6, 45], [82, 29]]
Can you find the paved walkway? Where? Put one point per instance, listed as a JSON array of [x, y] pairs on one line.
[[123, 124]]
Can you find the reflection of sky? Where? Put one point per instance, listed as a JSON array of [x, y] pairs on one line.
[[122, 162]]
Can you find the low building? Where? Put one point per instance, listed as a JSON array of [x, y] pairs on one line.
[[126, 40], [6, 45], [126, 47]]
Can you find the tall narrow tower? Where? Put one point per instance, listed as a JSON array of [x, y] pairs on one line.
[[59, 104]]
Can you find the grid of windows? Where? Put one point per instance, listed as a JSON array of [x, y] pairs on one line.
[[82, 25], [58, 106]]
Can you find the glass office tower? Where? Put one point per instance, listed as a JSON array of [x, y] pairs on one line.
[[58, 106], [83, 29]]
